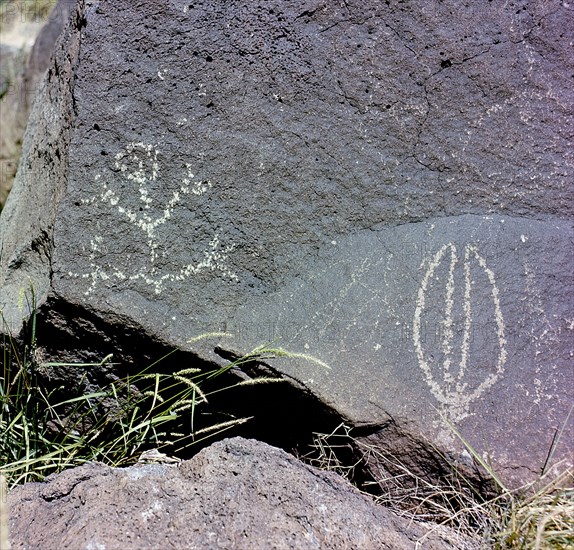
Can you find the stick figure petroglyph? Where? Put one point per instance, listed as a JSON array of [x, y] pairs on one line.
[[454, 392], [136, 169]]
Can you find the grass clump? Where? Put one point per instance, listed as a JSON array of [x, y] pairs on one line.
[[44, 430], [40, 433], [540, 519]]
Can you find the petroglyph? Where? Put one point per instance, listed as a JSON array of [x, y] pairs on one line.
[[454, 392], [137, 170]]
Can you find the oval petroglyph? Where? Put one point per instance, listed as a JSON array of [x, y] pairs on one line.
[[136, 170], [449, 380]]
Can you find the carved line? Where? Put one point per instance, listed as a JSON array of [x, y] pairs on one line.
[[455, 399], [214, 255]]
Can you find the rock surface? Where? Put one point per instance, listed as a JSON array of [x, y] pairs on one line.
[[237, 493], [21, 75], [386, 187]]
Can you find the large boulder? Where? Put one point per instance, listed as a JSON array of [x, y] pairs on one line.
[[237, 493], [387, 187]]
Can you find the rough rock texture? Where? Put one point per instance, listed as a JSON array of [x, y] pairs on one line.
[[19, 82], [387, 187], [237, 493], [27, 220], [463, 320]]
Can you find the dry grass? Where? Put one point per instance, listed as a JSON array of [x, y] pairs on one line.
[[46, 429], [537, 517], [40, 434]]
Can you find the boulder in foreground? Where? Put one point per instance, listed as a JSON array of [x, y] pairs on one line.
[[237, 493]]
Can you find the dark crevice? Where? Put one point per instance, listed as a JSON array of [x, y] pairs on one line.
[[286, 414]]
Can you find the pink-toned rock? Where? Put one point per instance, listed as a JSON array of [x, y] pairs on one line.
[[238, 493]]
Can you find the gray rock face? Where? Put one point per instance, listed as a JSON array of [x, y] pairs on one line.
[[438, 323], [388, 188], [235, 494], [26, 227]]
